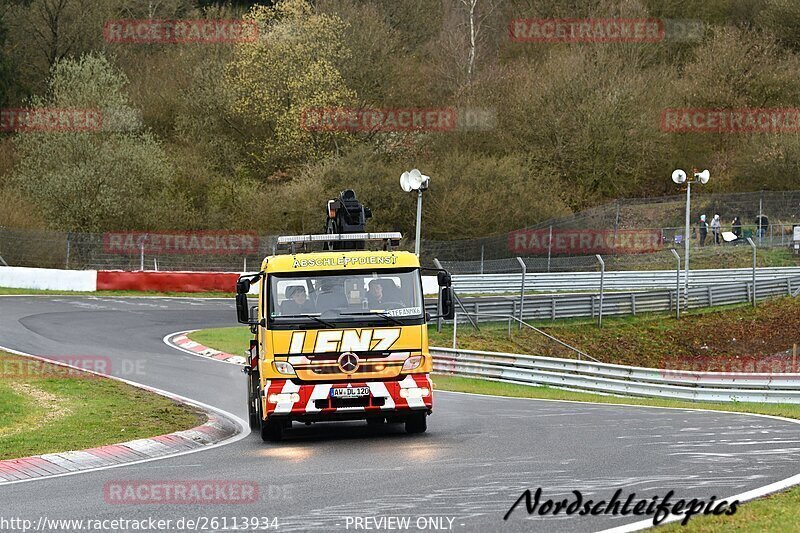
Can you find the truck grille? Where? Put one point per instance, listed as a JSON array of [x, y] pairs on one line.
[[335, 403]]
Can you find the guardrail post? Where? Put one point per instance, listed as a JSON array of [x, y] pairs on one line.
[[455, 328], [602, 276], [522, 289], [755, 294], [677, 286], [141, 255]]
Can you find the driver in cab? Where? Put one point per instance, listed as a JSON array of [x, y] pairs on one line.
[[297, 302]]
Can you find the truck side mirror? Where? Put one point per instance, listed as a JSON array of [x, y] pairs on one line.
[[443, 278], [242, 308], [446, 303], [243, 286]]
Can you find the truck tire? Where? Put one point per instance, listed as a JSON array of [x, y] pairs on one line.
[[272, 430], [417, 423], [253, 417]]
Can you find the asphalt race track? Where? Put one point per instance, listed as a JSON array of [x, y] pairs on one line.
[[478, 456]]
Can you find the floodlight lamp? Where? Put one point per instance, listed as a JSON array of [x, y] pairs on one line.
[[414, 181], [679, 176], [703, 176]]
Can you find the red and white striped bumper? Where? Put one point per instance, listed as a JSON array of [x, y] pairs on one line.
[[315, 402]]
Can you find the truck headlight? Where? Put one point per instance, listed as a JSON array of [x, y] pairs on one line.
[[413, 362], [283, 367], [283, 397], [415, 392]]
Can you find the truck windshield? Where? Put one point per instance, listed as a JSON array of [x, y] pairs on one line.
[[321, 299]]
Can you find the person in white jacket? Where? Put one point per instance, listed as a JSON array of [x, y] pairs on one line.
[[716, 230]]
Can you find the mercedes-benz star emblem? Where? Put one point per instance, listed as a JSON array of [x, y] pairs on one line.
[[348, 362]]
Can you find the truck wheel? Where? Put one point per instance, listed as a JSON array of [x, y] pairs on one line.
[[272, 430], [417, 423], [252, 411]]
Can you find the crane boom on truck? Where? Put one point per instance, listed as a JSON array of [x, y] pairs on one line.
[[339, 334]]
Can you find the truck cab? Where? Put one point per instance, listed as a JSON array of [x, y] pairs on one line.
[[339, 335]]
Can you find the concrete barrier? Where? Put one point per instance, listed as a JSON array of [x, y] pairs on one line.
[[120, 280], [48, 279]]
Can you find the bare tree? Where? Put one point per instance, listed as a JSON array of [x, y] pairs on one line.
[[476, 16]]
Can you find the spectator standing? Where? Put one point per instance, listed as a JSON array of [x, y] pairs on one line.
[[736, 227], [762, 223], [702, 230], [716, 230]]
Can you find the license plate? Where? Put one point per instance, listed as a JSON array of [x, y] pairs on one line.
[[349, 392]]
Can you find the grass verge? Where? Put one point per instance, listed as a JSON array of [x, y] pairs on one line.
[[716, 337], [233, 340], [45, 408]]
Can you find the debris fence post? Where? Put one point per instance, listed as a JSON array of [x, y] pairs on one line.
[[677, 284], [602, 276]]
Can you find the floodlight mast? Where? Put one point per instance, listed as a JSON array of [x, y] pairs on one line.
[[679, 177], [414, 180]]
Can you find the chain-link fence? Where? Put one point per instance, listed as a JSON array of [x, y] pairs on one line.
[[652, 222], [629, 234], [187, 251]]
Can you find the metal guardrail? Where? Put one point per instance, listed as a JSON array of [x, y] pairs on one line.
[[580, 305], [612, 280], [605, 378]]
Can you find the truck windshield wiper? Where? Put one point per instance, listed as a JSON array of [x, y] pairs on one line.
[[312, 317], [387, 316]]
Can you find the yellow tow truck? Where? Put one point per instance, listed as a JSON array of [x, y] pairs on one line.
[[339, 334]]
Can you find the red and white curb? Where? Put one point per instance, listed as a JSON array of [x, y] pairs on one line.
[[183, 343], [220, 428]]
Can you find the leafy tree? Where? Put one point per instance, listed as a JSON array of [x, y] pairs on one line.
[[290, 68], [96, 180]]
